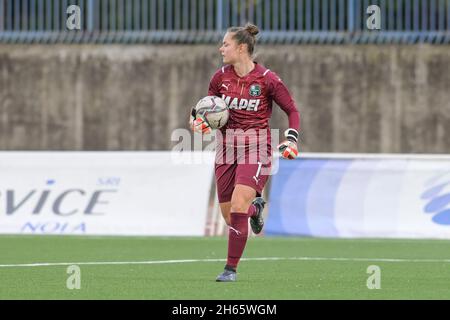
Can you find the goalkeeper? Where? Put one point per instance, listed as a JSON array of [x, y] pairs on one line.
[[243, 150]]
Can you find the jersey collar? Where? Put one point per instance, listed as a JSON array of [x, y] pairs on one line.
[[253, 70]]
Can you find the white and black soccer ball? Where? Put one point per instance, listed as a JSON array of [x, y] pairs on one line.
[[214, 110]]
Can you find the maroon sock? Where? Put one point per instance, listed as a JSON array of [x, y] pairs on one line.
[[252, 210], [237, 238]]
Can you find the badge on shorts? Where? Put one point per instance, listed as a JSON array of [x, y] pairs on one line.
[[255, 90]]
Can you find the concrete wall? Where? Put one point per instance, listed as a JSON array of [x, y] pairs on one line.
[[351, 98]]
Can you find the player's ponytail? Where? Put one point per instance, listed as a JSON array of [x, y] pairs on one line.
[[252, 29], [247, 35]]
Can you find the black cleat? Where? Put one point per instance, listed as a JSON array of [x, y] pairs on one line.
[[257, 221]]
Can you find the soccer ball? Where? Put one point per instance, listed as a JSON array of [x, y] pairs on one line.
[[214, 110]]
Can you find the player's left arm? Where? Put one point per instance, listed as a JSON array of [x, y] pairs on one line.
[[288, 148]]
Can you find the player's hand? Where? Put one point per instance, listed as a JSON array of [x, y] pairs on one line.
[[288, 149], [198, 123]]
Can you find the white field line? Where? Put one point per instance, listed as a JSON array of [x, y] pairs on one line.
[[50, 264]]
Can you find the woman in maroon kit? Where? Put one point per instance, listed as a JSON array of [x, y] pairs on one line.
[[243, 150]]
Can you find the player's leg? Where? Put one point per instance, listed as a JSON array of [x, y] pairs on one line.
[[250, 181], [261, 172], [255, 176], [241, 201], [242, 198], [238, 229], [250, 177], [225, 180]]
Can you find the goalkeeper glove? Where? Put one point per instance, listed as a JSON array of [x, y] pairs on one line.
[[288, 148], [198, 123]]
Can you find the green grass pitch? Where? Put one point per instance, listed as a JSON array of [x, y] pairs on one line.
[[307, 268]]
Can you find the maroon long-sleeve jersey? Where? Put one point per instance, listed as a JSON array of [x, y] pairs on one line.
[[250, 98]]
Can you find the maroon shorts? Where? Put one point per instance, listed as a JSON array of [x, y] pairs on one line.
[[248, 166]]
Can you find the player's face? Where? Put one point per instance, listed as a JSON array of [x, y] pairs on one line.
[[229, 49]]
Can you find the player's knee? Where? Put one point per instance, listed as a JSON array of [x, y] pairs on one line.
[[239, 205]]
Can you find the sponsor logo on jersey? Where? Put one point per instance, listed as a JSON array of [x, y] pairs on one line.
[[255, 90], [242, 104]]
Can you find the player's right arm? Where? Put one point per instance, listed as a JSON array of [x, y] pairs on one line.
[[196, 122], [215, 83]]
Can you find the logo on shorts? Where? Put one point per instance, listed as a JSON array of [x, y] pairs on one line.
[[256, 176], [255, 90]]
